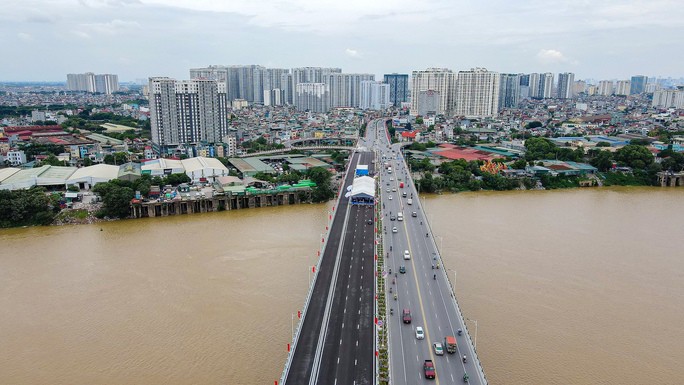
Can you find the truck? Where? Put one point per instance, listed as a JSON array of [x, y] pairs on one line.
[[450, 344], [429, 369]]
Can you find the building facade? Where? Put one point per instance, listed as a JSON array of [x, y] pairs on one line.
[[399, 88], [477, 93], [187, 111], [541, 85], [605, 88], [314, 97], [375, 95], [509, 91], [441, 81], [90, 82], [623, 88], [638, 84], [566, 85]]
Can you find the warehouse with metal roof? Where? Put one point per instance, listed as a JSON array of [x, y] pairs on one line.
[[87, 177], [201, 169]]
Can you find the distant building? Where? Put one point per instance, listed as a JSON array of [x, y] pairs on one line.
[[428, 103], [566, 83], [399, 91], [89, 82], [605, 88], [441, 81], [622, 88], [541, 85], [638, 84], [313, 97], [375, 95], [477, 93], [669, 98], [16, 158], [187, 111], [509, 91], [345, 89]]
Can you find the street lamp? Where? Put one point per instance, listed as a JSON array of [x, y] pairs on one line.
[[475, 340]]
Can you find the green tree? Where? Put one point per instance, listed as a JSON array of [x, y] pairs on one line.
[[519, 164], [117, 202], [323, 190], [602, 160], [634, 156]]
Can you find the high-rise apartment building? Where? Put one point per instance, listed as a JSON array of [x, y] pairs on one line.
[[605, 88], [669, 98], [187, 111], [541, 85], [477, 93], [441, 81], [310, 75], [375, 95], [398, 88], [638, 84], [509, 91], [566, 85], [345, 89], [580, 87], [90, 82], [622, 87], [314, 97]]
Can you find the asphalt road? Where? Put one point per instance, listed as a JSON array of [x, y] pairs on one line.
[[423, 289], [348, 353], [307, 343]]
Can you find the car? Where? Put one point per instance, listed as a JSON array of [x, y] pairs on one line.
[[439, 349], [402, 269], [393, 218], [388, 190], [390, 197], [394, 189], [406, 316], [420, 334], [407, 255], [429, 369], [370, 221], [391, 179], [414, 214], [394, 229]]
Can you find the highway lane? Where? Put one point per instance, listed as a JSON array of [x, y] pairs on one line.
[[348, 351], [306, 345], [429, 299]]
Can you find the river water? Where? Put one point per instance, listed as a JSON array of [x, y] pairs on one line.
[[567, 287]]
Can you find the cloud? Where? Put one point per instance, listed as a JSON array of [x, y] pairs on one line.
[[551, 56], [352, 53], [113, 27], [24, 36]]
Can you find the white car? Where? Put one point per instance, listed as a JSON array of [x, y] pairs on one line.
[[391, 179], [420, 335], [390, 197], [439, 350], [388, 190], [394, 189], [394, 229], [407, 255]]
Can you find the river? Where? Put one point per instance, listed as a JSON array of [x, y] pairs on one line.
[[567, 287]]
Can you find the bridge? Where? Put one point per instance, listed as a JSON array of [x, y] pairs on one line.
[[337, 341], [305, 148]]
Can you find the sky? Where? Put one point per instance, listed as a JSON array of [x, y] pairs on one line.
[[43, 40]]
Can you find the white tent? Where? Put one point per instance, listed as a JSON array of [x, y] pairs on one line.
[[363, 190]]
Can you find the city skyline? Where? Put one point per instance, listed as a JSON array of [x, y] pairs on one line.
[[145, 38]]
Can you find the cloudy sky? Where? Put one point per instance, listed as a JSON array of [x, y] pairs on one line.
[[598, 39]]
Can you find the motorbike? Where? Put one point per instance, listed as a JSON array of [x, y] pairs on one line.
[[390, 290], [460, 332], [465, 377], [434, 276], [426, 235], [391, 311], [464, 359], [395, 296]]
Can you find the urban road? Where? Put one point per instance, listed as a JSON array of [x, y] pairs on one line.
[[336, 340], [335, 344]]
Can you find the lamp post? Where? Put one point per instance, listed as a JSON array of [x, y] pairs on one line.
[[474, 340]]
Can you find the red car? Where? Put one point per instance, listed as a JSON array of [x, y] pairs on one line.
[[406, 316], [429, 369]]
